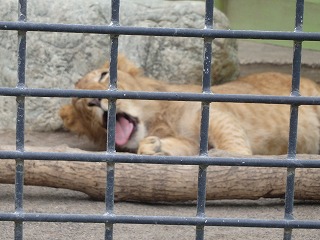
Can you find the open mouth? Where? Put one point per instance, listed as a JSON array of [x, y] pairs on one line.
[[125, 127]]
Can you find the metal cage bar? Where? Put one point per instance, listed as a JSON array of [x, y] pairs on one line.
[[111, 123], [174, 160], [163, 32], [168, 96], [19, 176], [205, 115], [294, 113], [200, 221], [161, 220]]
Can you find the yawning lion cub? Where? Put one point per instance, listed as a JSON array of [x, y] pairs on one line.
[[172, 127]]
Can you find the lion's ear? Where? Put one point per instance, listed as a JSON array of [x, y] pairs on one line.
[[71, 119], [125, 65]]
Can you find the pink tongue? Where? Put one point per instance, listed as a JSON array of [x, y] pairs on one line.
[[124, 129]]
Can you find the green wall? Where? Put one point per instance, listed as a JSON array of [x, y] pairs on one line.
[[272, 15]]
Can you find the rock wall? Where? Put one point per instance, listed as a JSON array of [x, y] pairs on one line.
[[57, 60]]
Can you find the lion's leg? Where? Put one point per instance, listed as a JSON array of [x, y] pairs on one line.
[[173, 146], [226, 133]]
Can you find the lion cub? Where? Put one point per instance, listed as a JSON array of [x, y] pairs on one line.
[[172, 127]]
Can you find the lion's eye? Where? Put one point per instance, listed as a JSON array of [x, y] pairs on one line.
[[102, 76]]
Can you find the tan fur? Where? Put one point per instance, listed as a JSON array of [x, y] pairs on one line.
[[172, 128]]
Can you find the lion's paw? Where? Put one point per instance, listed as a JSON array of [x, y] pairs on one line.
[[150, 146]]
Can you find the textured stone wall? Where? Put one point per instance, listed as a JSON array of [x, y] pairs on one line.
[[57, 60]]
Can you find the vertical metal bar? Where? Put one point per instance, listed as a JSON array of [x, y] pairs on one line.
[[299, 15], [209, 14], [111, 123], [293, 130], [206, 88], [205, 114], [201, 201], [111, 126], [115, 12], [19, 176]]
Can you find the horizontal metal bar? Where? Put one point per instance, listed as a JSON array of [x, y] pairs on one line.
[[160, 220], [156, 31], [166, 96], [181, 160]]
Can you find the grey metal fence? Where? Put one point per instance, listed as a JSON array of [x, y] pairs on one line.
[[208, 33]]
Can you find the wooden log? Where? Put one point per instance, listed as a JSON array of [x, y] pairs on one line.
[[154, 183]]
